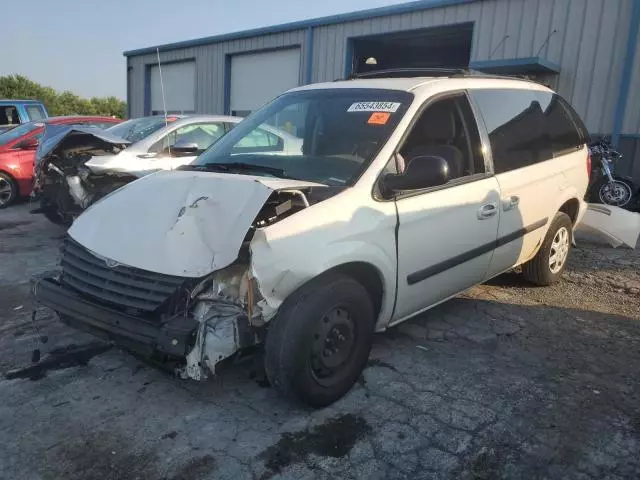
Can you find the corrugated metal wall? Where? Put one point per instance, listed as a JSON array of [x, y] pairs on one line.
[[632, 114], [587, 38], [210, 65]]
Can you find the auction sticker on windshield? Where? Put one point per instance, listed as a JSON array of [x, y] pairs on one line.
[[391, 107], [379, 118]]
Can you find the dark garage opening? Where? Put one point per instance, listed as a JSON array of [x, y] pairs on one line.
[[438, 47]]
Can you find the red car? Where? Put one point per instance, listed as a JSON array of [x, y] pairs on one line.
[[18, 151]]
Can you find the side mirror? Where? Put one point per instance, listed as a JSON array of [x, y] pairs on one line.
[[183, 148], [29, 144], [421, 172]]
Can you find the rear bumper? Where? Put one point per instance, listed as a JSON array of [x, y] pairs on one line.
[[173, 337]]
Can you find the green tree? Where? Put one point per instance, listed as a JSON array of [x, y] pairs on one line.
[[65, 103]]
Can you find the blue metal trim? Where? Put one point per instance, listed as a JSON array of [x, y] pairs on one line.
[[226, 86], [633, 136], [308, 51], [627, 73], [146, 109], [129, 73], [533, 64], [348, 57], [415, 6]]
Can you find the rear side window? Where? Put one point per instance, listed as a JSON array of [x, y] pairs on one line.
[[527, 127], [35, 112]]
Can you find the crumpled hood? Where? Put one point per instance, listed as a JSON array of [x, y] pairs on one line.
[[179, 223], [58, 138]]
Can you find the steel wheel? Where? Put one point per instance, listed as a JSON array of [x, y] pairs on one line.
[[616, 193], [559, 250], [333, 343]]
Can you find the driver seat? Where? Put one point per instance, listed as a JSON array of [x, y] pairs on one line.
[[434, 135]]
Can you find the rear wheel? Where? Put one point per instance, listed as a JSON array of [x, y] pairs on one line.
[[547, 266], [319, 343], [8, 190]]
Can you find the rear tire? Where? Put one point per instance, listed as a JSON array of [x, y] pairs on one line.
[[8, 190], [547, 266], [320, 340]]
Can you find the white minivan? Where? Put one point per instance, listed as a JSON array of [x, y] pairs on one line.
[[407, 190]]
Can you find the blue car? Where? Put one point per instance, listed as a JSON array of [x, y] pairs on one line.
[[15, 112]]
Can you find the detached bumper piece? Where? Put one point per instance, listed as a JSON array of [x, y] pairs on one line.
[[173, 337]]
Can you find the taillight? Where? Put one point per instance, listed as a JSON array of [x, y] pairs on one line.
[[589, 165]]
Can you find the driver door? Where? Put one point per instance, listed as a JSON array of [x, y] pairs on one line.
[[446, 234]]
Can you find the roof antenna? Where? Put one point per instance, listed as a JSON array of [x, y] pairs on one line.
[[164, 103]]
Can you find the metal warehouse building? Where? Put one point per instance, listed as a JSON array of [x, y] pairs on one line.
[[585, 49]]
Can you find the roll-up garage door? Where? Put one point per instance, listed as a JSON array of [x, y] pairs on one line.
[[179, 88], [258, 77]]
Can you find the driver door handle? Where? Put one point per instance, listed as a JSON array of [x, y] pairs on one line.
[[487, 210]]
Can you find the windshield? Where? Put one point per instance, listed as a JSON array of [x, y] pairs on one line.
[[138, 128], [327, 136], [17, 132]]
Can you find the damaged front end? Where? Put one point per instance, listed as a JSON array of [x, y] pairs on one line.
[[178, 289], [63, 183]]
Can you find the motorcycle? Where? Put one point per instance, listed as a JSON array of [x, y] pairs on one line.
[[607, 187]]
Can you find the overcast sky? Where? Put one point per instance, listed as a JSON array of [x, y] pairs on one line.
[[77, 45]]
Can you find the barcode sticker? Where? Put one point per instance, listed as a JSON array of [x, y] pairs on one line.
[[390, 107]]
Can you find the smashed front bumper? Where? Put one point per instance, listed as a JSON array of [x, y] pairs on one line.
[[174, 337], [194, 342]]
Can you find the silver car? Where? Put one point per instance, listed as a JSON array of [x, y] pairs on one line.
[[76, 166]]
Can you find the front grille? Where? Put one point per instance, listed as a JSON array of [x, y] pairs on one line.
[[121, 287]]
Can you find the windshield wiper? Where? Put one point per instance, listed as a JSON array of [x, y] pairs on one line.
[[229, 167]]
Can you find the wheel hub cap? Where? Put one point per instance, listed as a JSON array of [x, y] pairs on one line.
[[559, 250]]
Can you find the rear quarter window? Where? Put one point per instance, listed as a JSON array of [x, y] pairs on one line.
[[527, 127]]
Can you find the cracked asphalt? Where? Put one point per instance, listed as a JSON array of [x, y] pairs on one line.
[[506, 381]]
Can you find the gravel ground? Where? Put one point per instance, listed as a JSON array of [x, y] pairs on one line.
[[507, 381]]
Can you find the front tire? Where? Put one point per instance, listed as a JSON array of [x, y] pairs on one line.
[[8, 190], [617, 193], [319, 342], [547, 266], [52, 213]]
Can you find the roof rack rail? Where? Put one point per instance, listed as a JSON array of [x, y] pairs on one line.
[[430, 72], [408, 72]]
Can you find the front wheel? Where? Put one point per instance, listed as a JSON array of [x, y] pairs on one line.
[[547, 266], [319, 342], [8, 190], [51, 211], [617, 193]]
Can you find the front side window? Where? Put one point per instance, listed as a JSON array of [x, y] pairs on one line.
[[446, 129], [526, 126], [202, 134], [139, 128], [35, 112], [327, 135], [9, 116]]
